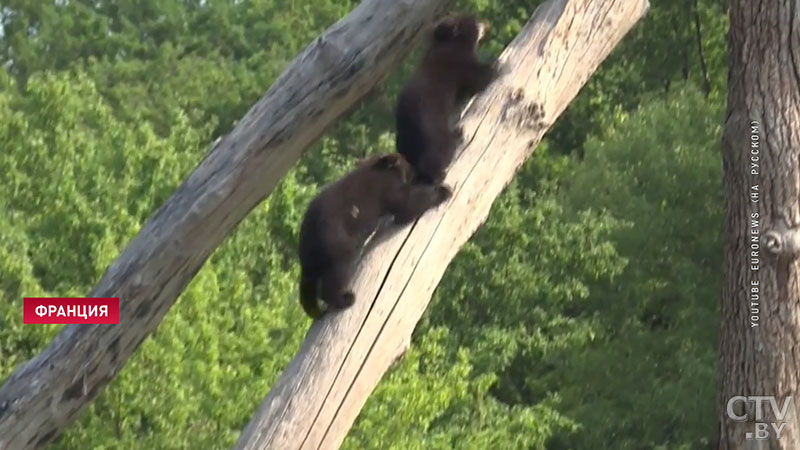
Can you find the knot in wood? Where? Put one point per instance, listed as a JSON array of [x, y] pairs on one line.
[[782, 242], [522, 114]]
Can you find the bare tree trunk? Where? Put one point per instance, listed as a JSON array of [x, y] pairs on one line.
[[760, 329], [323, 82], [318, 397]]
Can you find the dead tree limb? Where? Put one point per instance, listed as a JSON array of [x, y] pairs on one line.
[[322, 83], [316, 400]]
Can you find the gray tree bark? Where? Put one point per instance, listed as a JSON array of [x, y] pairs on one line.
[[318, 397], [760, 305], [324, 81]]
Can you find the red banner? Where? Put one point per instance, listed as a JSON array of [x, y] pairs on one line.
[[69, 310]]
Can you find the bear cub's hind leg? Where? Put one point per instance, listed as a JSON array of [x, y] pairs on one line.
[[334, 285]]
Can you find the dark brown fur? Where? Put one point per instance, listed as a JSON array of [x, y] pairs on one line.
[[341, 217], [449, 72]]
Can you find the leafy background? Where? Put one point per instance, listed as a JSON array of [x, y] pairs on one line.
[[582, 315]]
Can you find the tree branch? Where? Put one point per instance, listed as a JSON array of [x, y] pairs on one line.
[[782, 241], [320, 394], [323, 82]]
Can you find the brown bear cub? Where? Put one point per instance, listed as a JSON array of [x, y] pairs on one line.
[[449, 72], [341, 217]]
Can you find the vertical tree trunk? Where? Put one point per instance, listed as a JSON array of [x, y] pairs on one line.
[[760, 329]]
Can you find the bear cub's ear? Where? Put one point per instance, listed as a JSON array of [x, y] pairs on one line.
[[388, 161], [396, 163], [445, 31]]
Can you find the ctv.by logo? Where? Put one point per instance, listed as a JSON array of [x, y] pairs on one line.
[[761, 429]]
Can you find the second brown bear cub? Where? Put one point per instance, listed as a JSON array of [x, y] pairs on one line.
[[449, 70], [341, 217]]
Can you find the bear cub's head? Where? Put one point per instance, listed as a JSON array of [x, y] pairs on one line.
[[461, 30], [392, 163]]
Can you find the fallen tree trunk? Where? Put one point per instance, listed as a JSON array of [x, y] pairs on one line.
[[323, 82], [319, 396]]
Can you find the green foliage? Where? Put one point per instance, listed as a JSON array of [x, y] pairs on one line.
[[81, 184], [660, 53], [583, 311], [652, 363], [83, 180]]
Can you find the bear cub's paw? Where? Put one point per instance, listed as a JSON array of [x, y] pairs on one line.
[[458, 133], [443, 193], [348, 299]]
